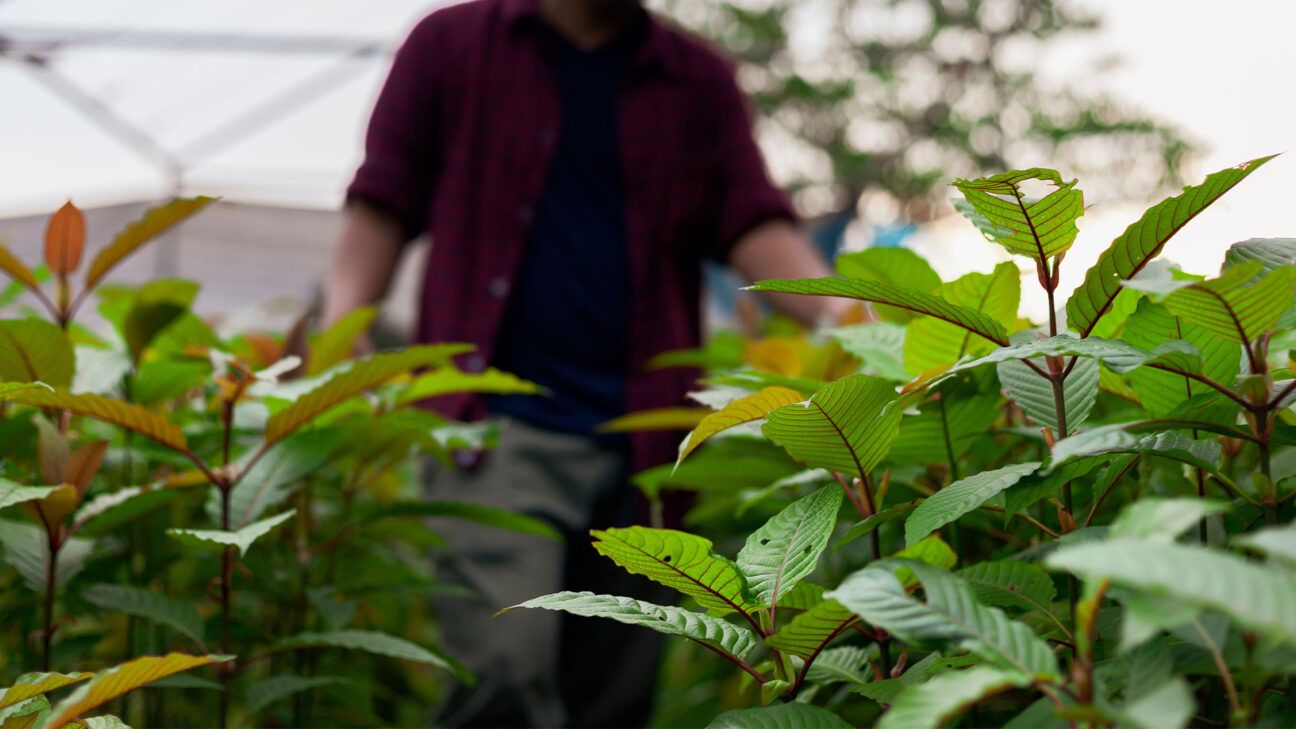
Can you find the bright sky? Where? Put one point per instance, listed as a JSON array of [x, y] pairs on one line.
[[1216, 72]]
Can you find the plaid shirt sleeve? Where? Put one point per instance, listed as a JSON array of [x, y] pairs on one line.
[[747, 197], [400, 144]]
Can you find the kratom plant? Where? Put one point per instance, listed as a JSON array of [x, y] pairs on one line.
[[1085, 522], [107, 443]]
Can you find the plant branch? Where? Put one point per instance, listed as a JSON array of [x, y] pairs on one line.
[[1230, 689], [744, 665]]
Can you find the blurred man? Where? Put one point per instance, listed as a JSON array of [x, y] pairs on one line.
[[573, 162]]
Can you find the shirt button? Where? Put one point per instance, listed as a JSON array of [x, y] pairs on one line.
[[526, 213], [499, 287], [474, 363]]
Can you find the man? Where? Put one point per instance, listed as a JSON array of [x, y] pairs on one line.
[[573, 162]]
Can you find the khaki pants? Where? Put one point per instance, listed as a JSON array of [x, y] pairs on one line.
[[538, 667]]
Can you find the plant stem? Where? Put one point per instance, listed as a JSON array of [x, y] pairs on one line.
[[884, 652], [227, 570], [51, 580]]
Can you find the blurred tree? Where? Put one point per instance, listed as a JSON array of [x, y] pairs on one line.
[[877, 104]]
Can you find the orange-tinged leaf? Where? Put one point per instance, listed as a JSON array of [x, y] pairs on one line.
[[365, 374], [743, 410], [122, 414], [265, 349], [656, 419], [155, 222], [53, 509], [121, 680], [780, 356], [34, 684], [83, 464], [17, 270], [65, 240]]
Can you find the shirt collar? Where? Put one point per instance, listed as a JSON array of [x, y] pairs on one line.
[[657, 49]]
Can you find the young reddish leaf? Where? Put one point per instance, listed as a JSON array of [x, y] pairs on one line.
[[84, 464], [17, 270], [65, 240]]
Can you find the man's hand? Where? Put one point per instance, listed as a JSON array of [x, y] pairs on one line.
[[363, 262], [778, 249]]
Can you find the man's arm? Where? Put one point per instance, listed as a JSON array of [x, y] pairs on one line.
[[778, 249], [363, 262]]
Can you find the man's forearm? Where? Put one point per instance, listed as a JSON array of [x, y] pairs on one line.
[[778, 249], [363, 262]]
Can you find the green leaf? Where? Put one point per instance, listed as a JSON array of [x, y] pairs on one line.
[[335, 344], [154, 606], [160, 380], [674, 418], [122, 414], [363, 375], [154, 307], [1118, 356], [275, 477], [787, 547], [793, 715], [928, 705], [808, 633], [377, 643], [1142, 241], [1039, 229], [715, 632], [950, 616], [681, 561], [485, 515], [846, 427], [17, 270], [33, 350], [865, 526], [1162, 520], [1256, 597], [1232, 308], [1169, 706], [155, 222], [743, 410], [105, 721], [121, 680], [898, 296], [450, 379], [30, 685], [270, 690], [962, 497], [25, 550], [1277, 542], [959, 422], [12, 494], [848, 663], [1011, 583], [1035, 394], [242, 538], [1116, 438], [932, 343], [878, 345], [1160, 391], [893, 267]]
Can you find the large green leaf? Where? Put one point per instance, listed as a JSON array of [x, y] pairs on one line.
[[377, 643], [1162, 520], [361, 376], [846, 427], [1116, 438], [1278, 542], [116, 412], [1035, 393], [911, 300], [1270, 252], [336, 344], [787, 547], [1117, 355], [945, 425], [1011, 583], [160, 380], [810, 631], [24, 549], [794, 715], [268, 691], [928, 705], [681, 561], [241, 538], [175, 614], [1037, 228], [277, 475], [12, 494], [847, 663], [743, 410], [878, 345], [1234, 308], [450, 379], [931, 343], [950, 616], [715, 632], [1161, 392], [34, 350], [891, 266], [121, 680], [1142, 241], [1257, 597], [962, 497], [30, 685], [155, 222]]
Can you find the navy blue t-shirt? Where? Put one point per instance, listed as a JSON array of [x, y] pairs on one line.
[[566, 322]]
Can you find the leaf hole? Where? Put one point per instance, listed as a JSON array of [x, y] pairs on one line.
[[764, 541], [667, 558]]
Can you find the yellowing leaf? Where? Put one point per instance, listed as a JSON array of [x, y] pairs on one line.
[[17, 270], [780, 356], [742, 410], [116, 412], [34, 684], [336, 344], [154, 223], [65, 240], [114, 682], [62, 501], [681, 418]]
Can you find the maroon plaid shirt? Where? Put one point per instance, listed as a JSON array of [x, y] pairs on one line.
[[459, 145]]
